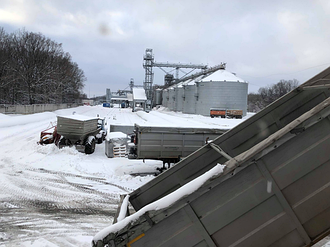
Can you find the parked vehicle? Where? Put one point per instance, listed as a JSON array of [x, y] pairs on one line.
[[273, 190], [169, 144], [223, 113], [49, 135], [81, 131]]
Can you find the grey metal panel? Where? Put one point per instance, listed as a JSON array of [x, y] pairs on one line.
[[178, 226], [75, 129], [171, 99], [126, 129], [165, 98], [158, 97], [291, 239], [268, 214], [179, 99], [171, 142], [189, 103], [221, 94]]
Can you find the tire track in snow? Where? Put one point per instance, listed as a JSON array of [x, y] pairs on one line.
[[100, 180]]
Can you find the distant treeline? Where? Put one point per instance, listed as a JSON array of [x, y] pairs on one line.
[[267, 95], [35, 70]]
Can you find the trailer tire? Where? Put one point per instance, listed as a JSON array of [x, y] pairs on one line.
[[90, 145], [99, 140], [61, 143]]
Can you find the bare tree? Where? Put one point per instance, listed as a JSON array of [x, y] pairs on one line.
[[35, 69], [267, 95]]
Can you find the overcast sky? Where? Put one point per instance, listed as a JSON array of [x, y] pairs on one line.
[[261, 41]]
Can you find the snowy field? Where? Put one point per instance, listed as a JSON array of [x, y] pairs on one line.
[[60, 197]]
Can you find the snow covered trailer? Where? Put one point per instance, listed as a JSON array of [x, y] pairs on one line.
[[81, 131], [273, 191], [169, 143]]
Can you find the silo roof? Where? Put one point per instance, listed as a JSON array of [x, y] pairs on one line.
[[223, 75]]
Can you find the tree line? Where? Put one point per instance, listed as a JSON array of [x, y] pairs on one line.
[[35, 70], [267, 95]]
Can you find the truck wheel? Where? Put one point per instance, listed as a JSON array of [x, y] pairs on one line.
[[99, 140], [90, 145], [61, 142]]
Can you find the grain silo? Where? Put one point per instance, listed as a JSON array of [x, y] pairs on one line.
[[171, 98], [223, 90], [179, 97], [165, 98], [189, 100], [158, 96]]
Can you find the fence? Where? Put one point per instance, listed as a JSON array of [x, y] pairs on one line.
[[30, 109]]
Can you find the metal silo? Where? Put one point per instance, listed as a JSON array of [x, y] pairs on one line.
[[165, 98], [171, 99], [221, 90], [179, 98], [158, 96], [189, 99]]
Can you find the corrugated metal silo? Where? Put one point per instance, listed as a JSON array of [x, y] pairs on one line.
[[171, 99], [221, 90], [165, 98], [179, 98], [189, 99], [158, 97]]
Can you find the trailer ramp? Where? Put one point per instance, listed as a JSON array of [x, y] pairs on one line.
[[274, 190]]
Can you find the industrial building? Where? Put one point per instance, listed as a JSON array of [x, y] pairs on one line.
[[211, 88], [222, 89], [139, 99]]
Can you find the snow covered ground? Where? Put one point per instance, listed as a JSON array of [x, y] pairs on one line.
[[60, 197]]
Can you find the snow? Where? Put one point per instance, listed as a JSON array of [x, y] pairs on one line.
[[123, 209], [116, 135], [223, 75], [79, 117], [61, 197], [139, 93]]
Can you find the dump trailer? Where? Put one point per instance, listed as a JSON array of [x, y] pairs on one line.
[[273, 191], [81, 131], [223, 113], [169, 144]]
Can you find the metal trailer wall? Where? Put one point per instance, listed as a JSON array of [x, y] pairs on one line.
[[221, 94], [75, 129], [189, 103], [171, 142], [273, 192]]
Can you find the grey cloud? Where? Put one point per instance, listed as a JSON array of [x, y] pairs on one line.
[[260, 40]]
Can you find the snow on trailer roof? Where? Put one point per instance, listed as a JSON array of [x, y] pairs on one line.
[[79, 117], [139, 94]]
